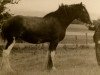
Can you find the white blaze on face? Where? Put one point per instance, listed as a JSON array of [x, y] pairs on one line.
[[98, 41]]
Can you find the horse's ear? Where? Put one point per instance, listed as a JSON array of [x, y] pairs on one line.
[[62, 4], [81, 3]]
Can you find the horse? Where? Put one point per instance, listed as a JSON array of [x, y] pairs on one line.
[[51, 28]]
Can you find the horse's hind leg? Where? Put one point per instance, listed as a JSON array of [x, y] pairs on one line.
[[5, 65]]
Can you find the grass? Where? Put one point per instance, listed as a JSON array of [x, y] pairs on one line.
[[71, 61]]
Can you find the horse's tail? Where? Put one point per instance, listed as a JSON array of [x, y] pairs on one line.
[[5, 29], [3, 33]]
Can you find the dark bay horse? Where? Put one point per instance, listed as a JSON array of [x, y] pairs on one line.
[[51, 28]]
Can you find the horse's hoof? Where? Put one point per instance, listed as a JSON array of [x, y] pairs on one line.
[[7, 71], [54, 68], [51, 69]]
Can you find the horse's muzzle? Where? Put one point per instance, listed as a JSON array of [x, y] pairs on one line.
[[90, 22]]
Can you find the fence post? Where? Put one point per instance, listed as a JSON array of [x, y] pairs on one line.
[[86, 39], [76, 41]]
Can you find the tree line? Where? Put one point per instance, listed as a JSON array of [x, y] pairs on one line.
[[4, 15]]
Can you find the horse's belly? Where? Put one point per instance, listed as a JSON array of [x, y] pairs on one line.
[[35, 39]]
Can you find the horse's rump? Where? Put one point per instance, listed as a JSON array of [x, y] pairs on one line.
[[28, 28]]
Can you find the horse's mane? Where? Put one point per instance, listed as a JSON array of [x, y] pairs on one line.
[[61, 8], [55, 12]]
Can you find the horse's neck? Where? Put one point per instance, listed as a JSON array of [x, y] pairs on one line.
[[64, 19], [67, 19], [49, 15]]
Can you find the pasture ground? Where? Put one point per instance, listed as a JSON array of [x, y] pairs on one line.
[[69, 61]]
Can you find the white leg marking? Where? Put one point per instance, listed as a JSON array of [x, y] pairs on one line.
[[8, 50], [52, 54], [46, 59], [5, 65], [53, 59]]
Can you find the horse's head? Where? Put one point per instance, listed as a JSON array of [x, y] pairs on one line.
[[83, 14]]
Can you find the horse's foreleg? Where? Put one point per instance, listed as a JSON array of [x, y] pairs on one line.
[[51, 54], [5, 65], [51, 60]]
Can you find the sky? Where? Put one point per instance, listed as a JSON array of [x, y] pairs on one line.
[[93, 6]]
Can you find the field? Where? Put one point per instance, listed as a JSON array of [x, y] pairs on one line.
[[27, 59]]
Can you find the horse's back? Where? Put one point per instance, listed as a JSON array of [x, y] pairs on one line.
[[19, 26]]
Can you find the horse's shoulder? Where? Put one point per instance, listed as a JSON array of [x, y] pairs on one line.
[[51, 19]]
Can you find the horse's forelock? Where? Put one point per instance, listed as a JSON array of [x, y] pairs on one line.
[[80, 5]]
